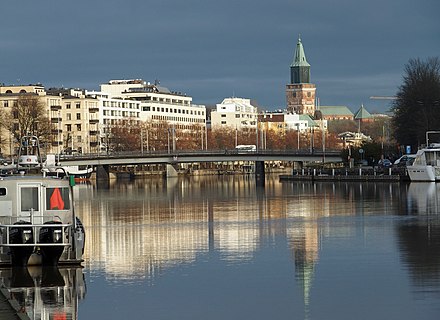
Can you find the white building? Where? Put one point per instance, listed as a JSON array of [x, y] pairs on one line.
[[158, 104], [236, 113]]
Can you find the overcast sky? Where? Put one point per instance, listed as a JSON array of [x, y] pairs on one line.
[[211, 50]]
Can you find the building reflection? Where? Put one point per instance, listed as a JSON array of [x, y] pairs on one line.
[[45, 292], [142, 228]]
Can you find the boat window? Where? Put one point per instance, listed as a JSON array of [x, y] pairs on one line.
[[29, 199], [2, 191], [57, 199]]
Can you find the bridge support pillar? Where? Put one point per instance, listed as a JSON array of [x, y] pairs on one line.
[[103, 172], [259, 172], [171, 170]]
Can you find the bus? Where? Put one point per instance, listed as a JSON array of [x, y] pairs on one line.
[[246, 147]]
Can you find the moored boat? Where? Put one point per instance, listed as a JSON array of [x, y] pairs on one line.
[[426, 166], [79, 173], [38, 224]]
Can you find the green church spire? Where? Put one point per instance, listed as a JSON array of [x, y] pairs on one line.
[[300, 68]]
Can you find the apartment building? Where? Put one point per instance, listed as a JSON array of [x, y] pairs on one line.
[[9, 96], [235, 113], [158, 104]]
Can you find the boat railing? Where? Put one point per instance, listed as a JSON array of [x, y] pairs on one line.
[[31, 218], [65, 234]]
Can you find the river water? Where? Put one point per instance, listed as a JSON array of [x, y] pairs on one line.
[[223, 248]]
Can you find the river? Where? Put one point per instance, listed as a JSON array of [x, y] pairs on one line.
[[223, 248]]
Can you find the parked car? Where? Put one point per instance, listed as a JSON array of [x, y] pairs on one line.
[[384, 163], [405, 160]]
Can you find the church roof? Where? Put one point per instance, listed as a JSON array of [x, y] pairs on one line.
[[300, 57], [310, 121], [335, 111], [362, 113]]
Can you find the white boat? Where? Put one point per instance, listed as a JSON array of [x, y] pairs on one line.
[[38, 224], [78, 172], [426, 166]]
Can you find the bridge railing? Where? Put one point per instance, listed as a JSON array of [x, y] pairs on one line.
[[162, 153]]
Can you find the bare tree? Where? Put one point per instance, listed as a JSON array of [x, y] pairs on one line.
[[28, 116]]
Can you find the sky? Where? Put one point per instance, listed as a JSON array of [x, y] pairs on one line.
[[212, 50]]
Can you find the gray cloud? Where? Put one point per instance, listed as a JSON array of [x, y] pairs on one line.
[[213, 49]]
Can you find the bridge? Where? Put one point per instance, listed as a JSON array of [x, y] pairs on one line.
[[172, 159]]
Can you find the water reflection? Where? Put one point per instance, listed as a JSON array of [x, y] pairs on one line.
[[45, 292], [140, 230]]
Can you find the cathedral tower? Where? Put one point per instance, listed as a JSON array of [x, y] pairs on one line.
[[300, 93]]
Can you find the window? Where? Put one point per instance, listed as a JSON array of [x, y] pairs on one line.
[[69, 127], [223, 122], [78, 127], [68, 116], [223, 116], [5, 104], [3, 191], [78, 105], [78, 116], [29, 199], [68, 106], [57, 199]]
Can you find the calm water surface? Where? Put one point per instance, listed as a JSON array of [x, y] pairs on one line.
[[222, 248]]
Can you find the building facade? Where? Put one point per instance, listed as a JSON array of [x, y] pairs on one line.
[[158, 104], [235, 113]]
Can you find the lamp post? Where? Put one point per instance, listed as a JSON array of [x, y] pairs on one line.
[[148, 141], [297, 133], [168, 132], [59, 135], [174, 138], [142, 141]]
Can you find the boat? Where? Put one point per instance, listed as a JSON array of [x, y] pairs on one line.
[[38, 224], [426, 165], [79, 173]]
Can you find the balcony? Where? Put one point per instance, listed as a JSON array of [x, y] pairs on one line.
[[93, 109], [55, 108], [56, 131], [55, 119], [93, 121], [93, 143], [93, 132]]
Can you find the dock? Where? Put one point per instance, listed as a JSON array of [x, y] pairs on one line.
[[357, 174]]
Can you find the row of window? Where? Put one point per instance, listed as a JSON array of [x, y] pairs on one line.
[[167, 100], [121, 104], [181, 119], [173, 110], [242, 115], [121, 113]]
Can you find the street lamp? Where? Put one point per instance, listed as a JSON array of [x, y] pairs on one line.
[[297, 133], [142, 141], [59, 134], [168, 135]]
